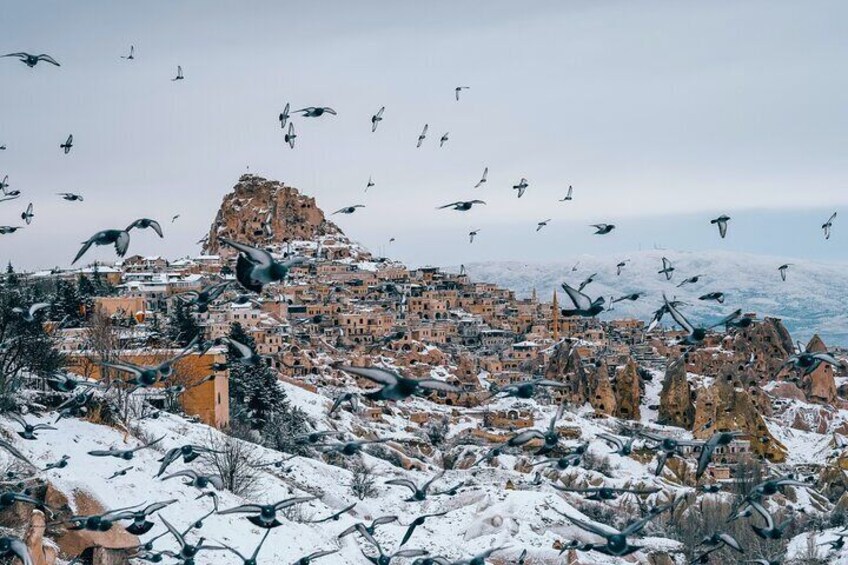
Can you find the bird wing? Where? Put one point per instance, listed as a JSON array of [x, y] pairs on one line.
[[156, 506], [524, 437], [827, 358], [283, 504], [588, 526], [171, 456], [186, 473], [124, 367], [20, 549], [730, 541], [408, 534], [379, 113], [729, 318], [448, 205], [580, 300], [244, 351], [216, 482], [384, 520], [403, 483], [409, 553], [636, 526], [433, 384], [179, 537], [48, 59], [551, 383], [122, 243], [257, 256], [38, 306], [85, 246], [382, 376], [155, 226], [678, 317], [762, 512], [612, 439], [243, 509]]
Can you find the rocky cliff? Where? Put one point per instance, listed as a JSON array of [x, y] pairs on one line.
[[266, 213]]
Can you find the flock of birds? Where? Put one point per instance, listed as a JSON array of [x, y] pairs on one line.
[[392, 387], [256, 268]]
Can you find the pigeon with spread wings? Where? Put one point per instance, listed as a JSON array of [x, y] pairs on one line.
[[397, 387]]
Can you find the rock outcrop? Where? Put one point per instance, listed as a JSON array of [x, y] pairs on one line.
[[262, 213], [725, 407], [628, 392], [676, 399], [602, 398], [74, 542], [42, 553], [819, 384]]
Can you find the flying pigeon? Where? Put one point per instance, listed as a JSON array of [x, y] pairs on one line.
[[603, 229], [131, 56], [27, 215], [119, 238], [443, 139], [144, 223], [395, 386], [284, 116], [316, 111], [462, 206], [716, 296], [483, 179], [32, 60], [690, 280], [349, 209], [179, 74], [583, 305], [471, 235], [256, 267], [521, 187], [828, 225], [266, 514], [71, 197], [721, 222], [66, 147], [290, 135], [568, 196], [377, 118], [422, 135], [616, 540], [28, 315], [667, 270], [783, 269], [542, 224], [459, 89]]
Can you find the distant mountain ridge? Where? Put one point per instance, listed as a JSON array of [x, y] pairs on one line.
[[812, 300]]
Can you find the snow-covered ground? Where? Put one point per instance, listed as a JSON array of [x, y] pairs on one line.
[[484, 514]]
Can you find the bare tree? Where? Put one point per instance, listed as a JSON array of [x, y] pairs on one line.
[[362, 483], [236, 462]]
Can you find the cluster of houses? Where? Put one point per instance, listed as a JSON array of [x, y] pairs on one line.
[[358, 309]]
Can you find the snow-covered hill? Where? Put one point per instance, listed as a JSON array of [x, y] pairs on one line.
[[811, 300]]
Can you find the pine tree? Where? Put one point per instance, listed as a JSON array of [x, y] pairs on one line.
[[258, 400], [66, 303], [182, 326]]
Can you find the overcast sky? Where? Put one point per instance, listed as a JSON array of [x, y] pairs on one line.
[[662, 115]]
